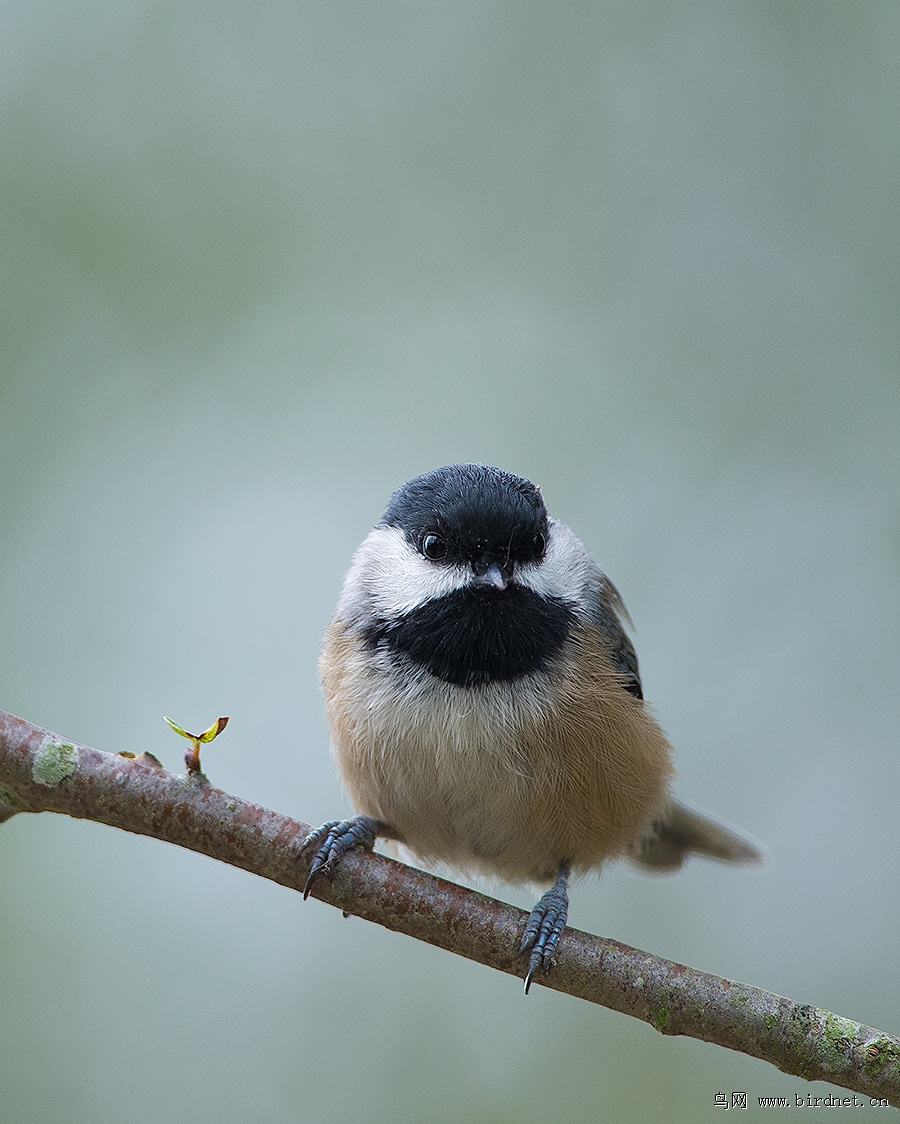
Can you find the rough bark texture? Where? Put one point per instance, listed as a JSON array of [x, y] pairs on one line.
[[42, 772]]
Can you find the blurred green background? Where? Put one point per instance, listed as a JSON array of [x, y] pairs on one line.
[[263, 263]]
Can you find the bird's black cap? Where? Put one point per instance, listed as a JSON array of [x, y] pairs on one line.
[[479, 510]]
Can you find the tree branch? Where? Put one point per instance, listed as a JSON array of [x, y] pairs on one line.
[[41, 772]]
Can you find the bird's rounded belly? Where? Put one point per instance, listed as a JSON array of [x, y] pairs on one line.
[[474, 815], [509, 780]]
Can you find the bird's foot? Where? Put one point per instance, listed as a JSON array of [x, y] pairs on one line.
[[334, 839], [546, 923]]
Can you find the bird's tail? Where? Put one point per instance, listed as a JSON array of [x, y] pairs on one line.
[[688, 831]]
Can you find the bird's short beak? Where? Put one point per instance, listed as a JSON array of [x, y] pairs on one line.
[[494, 577]]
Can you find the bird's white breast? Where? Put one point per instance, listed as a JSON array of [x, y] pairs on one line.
[[507, 778]]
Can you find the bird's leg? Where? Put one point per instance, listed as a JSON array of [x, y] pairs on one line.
[[546, 923], [335, 838]]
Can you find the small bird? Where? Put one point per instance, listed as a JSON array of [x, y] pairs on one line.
[[485, 703]]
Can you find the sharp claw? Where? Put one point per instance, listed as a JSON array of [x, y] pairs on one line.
[[324, 835], [310, 878], [307, 886], [335, 839], [533, 966], [530, 935], [544, 927]]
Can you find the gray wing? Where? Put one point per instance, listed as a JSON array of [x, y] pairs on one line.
[[610, 616]]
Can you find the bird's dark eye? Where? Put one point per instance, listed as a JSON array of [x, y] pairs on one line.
[[538, 543], [433, 546]]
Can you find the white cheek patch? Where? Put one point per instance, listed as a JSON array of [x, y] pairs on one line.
[[565, 569], [389, 578]]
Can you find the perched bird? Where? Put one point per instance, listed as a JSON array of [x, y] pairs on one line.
[[485, 703]]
